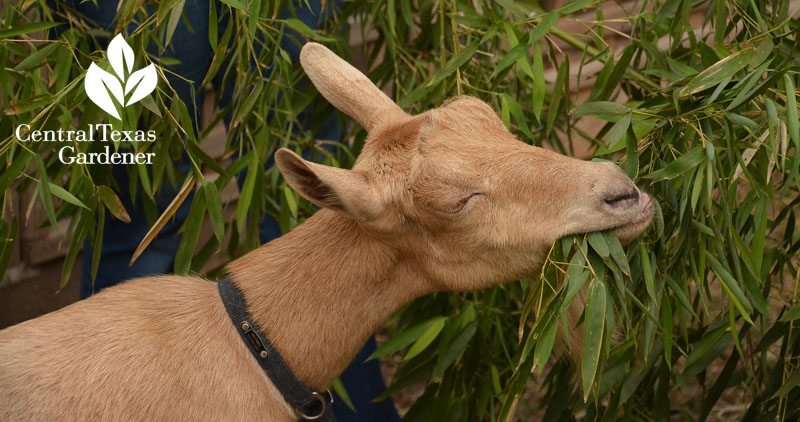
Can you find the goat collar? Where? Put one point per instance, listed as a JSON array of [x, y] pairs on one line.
[[307, 404]]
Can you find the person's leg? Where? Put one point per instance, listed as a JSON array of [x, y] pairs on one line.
[[363, 381], [121, 239]]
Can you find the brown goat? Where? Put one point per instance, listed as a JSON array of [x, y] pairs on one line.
[[445, 200]]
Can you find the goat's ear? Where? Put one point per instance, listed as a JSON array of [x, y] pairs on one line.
[[347, 88], [347, 191]]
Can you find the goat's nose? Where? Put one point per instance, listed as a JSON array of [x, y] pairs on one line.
[[622, 199]]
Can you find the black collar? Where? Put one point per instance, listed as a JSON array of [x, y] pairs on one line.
[[308, 404]]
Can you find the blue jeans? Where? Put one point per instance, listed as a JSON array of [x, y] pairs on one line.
[[363, 381]]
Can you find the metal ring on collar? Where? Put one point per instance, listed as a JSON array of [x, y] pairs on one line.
[[324, 403]]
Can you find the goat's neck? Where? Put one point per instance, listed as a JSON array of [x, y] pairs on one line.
[[321, 290]]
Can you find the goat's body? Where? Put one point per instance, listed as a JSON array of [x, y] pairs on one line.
[[159, 348], [448, 200]]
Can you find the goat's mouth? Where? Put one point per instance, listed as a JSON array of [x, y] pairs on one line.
[[630, 230]]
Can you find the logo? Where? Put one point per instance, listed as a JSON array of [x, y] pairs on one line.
[[108, 90], [112, 92]]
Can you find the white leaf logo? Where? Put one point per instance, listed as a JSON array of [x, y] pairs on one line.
[[100, 85], [144, 81]]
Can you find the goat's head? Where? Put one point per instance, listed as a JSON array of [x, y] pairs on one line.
[[453, 190]]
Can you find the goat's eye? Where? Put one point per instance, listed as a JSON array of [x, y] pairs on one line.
[[462, 203]]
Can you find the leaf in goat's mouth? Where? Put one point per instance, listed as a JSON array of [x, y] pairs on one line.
[[595, 263]]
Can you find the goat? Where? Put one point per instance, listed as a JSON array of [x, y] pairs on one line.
[[444, 200]]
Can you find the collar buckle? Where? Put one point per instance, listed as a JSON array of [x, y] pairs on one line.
[[323, 407]]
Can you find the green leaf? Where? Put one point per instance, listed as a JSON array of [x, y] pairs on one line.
[[341, 392], [302, 28], [516, 111], [213, 25], [174, 18], [560, 90], [44, 191], [593, 332], [291, 202], [647, 271], [252, 19], [16, 169], [191, 233], [617, 131], [544, 347], [66, 196], [789, 384], [455, 348], [405, 338], [246, 193], [37, 57], [426, 338], [113, 203], [791, 314], [598, 108], [681, 165], [509, 59], [543, 27], [98, 241], [8, 238], [615, 248], [718, 72], [236, 4], [792, 122], [538, 91], [472, 21], [598, 243], [731, 287], [455, 62], [707, 343], [573, 6], [215, 214], [27, 29]]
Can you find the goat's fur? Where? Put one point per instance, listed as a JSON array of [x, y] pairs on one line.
[[446, 200]]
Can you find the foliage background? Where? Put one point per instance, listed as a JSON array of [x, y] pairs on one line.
[[697, 317]]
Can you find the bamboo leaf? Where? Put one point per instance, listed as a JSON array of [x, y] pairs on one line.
[[598, 108], [8, 238], [792, 122], [617, 131], [341, 392], [681, 165], [594, 326], [731, 287], [598, 243], [174, 18], [191, 233], [455, 62], [426, 338], [790, 383], [405, 338], [791, 314], [718, 72], [171, 209], [37, 57], [215, 214], [236, 4], [64, 195], [616, 251], [538, 91], [543, 27], [44, 191], [302, 28], [27, 28], [113, 203]]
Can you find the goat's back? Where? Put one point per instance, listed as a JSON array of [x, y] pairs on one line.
[[159, 348]]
